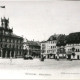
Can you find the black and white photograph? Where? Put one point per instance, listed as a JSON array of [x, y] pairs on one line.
[[40, 39]]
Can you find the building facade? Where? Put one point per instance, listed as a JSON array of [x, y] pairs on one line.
[[44, 48], [73, 45], [11, 45], [61, 43], [62, 46], [32, 48], [49, 47]]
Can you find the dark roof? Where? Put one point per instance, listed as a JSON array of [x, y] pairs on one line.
[[16, 36], [34, 43], [12, 36], [43, 41]]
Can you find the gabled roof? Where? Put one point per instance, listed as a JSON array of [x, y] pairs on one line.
[[16, 36], [34, 43], [43, 41]]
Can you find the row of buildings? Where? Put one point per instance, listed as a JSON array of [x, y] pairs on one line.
[[32, 48], [57, 46], [15, 46], [62, 46]]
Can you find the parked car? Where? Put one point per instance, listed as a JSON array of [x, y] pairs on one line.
[[28, 57]]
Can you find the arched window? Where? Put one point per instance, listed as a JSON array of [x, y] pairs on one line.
[[1, 45], [10, 46], [78, 50], [17, 46], [5, 45], [13, 46], [9, 40]]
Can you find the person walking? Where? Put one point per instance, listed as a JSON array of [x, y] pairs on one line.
[[10, 60]]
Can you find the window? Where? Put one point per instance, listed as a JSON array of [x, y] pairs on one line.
[[20, 52], [51, 47], [0, 39], [6, 40], [10, 46], [20, 47], [9, 40], [1, 45], [68, 49], [3, 39], [15, 41], [13, 46], [78, 50], [17, 46], [18, 41], [5, 45]]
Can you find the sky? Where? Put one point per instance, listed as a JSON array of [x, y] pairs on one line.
[[39, 19]]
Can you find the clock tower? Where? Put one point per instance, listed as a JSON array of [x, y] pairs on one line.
[[5, 26], [5, 23]]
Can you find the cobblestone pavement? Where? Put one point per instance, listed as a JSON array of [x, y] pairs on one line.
[[36, 69]]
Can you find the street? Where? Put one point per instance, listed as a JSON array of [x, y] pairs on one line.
[[36, 69]]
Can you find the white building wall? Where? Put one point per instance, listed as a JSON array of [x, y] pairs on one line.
[[77, 49], [51, 47], [44, 43]]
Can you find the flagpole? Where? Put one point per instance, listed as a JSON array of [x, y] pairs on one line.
[[4, 11]]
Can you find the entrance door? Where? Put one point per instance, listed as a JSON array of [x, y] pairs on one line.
[[77, 56], [69, 56]]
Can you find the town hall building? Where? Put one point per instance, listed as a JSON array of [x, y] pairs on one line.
[[11, 45]]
